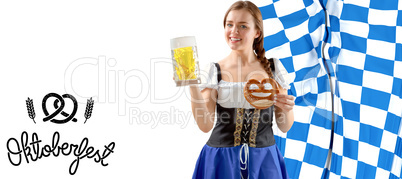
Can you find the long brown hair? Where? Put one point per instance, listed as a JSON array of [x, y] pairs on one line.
[[258, 45]]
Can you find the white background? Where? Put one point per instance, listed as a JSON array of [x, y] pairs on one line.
[[118, 53]]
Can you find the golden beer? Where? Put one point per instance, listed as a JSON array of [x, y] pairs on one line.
[[185, 64]]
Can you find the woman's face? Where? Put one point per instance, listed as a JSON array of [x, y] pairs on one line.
[[240, 30]]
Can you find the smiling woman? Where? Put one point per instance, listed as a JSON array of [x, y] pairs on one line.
[[242, 143]]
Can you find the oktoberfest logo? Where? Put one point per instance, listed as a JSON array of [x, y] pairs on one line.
[[58, 109]]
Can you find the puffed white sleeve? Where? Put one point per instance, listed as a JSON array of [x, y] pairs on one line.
[[281, 75], [209, 77]]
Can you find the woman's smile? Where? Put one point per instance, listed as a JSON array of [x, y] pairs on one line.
[[235, 39]]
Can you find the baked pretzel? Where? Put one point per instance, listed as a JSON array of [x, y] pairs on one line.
[[266, 97]]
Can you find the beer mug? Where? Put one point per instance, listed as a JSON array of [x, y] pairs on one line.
[[185, 61]]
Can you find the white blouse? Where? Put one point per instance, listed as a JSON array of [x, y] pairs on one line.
[[230, 94]]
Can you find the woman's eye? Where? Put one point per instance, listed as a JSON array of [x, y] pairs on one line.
[[243, 27], [229, 25]]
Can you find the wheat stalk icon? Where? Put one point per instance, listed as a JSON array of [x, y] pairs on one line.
[[88, 109], [30, 108]]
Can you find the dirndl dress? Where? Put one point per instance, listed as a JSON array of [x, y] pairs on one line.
[[242, 143]]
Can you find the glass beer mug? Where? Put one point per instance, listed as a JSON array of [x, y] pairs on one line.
[[185, 61]]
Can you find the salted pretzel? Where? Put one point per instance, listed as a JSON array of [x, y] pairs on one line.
[[261, 98]]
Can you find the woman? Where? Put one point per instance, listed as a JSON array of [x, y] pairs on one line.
[[242, 144]]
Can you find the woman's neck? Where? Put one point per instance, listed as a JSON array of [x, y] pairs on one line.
[[243, 58]]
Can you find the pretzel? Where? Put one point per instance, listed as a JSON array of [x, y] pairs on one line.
[[266, 97]]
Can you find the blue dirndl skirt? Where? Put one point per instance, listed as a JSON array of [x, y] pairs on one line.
[[240, 162]]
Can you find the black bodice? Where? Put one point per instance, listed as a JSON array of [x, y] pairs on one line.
[[236, 126]]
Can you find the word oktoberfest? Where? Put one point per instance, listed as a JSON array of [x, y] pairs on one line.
[[34, 151]]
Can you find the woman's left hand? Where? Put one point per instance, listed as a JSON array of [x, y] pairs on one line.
[[285, 102]]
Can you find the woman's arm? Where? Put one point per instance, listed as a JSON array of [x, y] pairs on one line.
[[203, 106], [284, 110]]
